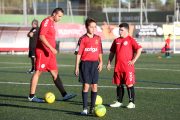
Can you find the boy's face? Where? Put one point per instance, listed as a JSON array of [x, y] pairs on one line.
[[57, 16], [123, 32], [91, 28]]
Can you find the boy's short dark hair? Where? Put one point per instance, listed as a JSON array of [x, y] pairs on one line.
[[125, 25], [88, 21], [56, 10], [169, 35]]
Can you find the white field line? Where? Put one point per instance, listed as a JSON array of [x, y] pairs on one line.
[[18, 83], [104, 66]]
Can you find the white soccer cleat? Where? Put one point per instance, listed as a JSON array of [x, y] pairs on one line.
[[84, 112], [131, 105], [68, 96], [116, 104]]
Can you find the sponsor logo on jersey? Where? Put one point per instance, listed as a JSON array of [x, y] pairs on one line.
[[77, 48], [130, 76], [96, 42], [43, 65], [91, 49], [125, 43], [46, 22]]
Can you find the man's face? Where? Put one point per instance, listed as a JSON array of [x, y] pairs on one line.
[[57, 16], [91, 28], [123, 32], [34, 25]]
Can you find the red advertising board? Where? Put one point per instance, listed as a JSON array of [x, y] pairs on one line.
[[70, 30]]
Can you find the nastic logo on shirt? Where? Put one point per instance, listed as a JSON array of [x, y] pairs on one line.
[[91, 49], [125, 43]]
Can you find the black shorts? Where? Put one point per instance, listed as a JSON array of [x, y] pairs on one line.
[[167, 49], [32, 52], [88, 72]]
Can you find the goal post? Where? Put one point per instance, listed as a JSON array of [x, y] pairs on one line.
[[176, 37]]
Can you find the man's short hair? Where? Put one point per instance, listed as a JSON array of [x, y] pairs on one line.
[[56, 10], [125, 25], [88, 21], [35, 22], [169, 35]]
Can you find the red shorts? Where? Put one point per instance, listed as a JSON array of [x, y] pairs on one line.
[[126, 78], [45, 61]]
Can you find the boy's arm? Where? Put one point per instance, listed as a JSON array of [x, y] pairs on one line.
[[45, 42], [111, 56], [100, 63], [138, 53], [76, 71]]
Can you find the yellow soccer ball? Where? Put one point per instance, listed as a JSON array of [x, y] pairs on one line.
[[49, 97], [98, 100], [100, 110]]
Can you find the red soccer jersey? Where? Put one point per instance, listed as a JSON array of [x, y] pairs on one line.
[[47, 29], [168, 41], [124, 48], [89, 48]]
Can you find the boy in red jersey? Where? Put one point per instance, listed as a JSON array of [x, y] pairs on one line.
[[167, 46], [124, 47], [89, 50], [45, 56]]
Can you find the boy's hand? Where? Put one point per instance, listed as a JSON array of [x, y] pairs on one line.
[[53, 50], [108, 66], [131, 63], [76, 71], [99, 67]]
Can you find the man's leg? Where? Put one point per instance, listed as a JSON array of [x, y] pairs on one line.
[[34, 82], [59, 85]]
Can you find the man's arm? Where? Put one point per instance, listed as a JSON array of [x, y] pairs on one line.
[[111, 56], [45, 42], [76, 71], [138, 53]]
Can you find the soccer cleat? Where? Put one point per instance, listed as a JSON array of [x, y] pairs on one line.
[[116, 104], [131, 105], [31, 71], [84, 112], [35, 99], [168, 56], [68, 96], [91, 110]]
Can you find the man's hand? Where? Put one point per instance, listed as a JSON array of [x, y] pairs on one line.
[[53, 50], [99, 67], [31, 34], [108, 66], [76, 71]]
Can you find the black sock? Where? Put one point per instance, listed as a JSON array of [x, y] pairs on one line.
[[120, 93], [93, 98], [131, 94], [84, 97], [63, 94], [32, 68], [166, 54], [31, 95]]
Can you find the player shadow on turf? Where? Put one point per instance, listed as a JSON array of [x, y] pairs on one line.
[[30, 107], [74, 102]]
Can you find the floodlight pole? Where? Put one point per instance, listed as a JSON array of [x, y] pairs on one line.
[[174, 9], [119, 12], [47, 7], [141, 13], [71, 11], [35, 8], [24, 12], [106, 14], [56, 3], [86, 10]]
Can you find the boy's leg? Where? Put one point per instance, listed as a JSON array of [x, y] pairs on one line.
[[59, 85], [120, 92], [85, 97], [93, 96], [131, 93]]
